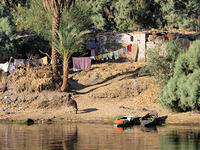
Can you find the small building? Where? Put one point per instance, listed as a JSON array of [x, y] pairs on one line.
[[141, 41]]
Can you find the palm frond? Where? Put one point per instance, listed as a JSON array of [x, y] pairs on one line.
[[70, 41]]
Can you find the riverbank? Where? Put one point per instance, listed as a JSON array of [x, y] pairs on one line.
[[102, 93]]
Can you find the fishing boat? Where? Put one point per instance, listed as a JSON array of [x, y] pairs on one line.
[[127, 121], [152, 121]]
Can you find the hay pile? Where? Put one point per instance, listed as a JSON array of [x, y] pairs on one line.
[[32, 79]]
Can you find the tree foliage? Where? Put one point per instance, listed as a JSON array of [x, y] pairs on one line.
[[102, 14], [123, 18], [121, 15], [38, 22], [182, 92], [180, 14], [7, 34], [78, 16], [13, 3], [147, 14]]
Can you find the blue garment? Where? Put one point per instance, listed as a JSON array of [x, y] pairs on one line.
[[91, 45]]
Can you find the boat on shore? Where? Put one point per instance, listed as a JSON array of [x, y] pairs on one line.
[[149, 120], [127, 121]]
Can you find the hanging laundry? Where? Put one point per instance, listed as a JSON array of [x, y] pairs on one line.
[[125, 50], [4, 67], [129, 47], [105, 56], [100, 57], [116, 54], [86, 63], [110, 55], [121, 52], [81, 63], [11, 68], [19, 62], [44, 60]]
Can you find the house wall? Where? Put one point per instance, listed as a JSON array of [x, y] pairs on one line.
[[109, 41]]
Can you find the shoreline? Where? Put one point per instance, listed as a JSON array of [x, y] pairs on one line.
[[174, 119], [40, 122]]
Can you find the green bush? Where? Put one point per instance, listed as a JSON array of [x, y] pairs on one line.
[[182, 92], [7, 35], [160, 66]]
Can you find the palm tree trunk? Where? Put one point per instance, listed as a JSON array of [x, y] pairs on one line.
[[65, 74], [55, 28]]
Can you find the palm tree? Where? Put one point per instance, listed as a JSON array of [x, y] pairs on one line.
[[56, 6], [68, 42]]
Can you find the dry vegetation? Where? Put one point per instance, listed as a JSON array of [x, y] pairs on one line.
[[32, 79]]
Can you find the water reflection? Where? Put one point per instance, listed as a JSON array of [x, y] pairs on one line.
[[97, 137], [69, 142], [182, 139], [149, 129]]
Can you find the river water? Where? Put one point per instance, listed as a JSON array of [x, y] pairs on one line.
[[97, 137]]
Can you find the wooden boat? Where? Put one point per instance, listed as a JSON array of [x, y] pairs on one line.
[[127, 121], [152, 121]]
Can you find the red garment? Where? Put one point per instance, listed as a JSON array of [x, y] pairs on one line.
[[129, 47], [81, 63]]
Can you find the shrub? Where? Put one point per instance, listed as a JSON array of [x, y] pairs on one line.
[[182, 92], [7, 35], [160, 66]]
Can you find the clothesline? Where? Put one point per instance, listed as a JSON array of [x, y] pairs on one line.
[[84, 63], [115, 54]]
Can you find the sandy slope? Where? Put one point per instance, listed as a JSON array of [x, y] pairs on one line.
[[107, 90]]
